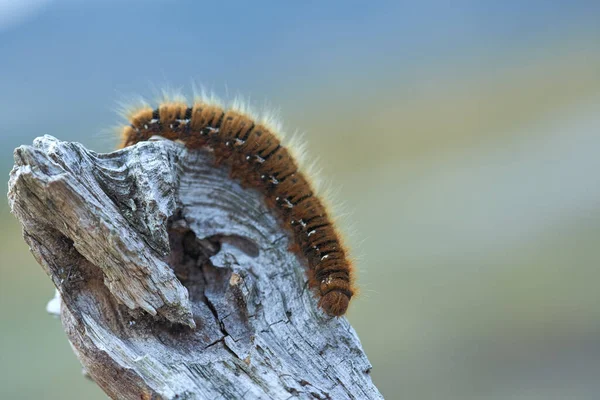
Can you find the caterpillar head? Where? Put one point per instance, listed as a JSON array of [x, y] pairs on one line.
[[336, 293], [335, 303]]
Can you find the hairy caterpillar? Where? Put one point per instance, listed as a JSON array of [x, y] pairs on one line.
[[256, 156]]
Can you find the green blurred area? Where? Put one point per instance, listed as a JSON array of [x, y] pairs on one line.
[[476, 212], [36, 360], [474, 205]]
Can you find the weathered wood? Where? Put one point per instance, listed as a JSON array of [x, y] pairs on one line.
[[176, 282]]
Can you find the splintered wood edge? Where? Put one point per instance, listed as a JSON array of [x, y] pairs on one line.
[[148, 320]]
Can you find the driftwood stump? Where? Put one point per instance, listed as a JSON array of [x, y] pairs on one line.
[[176, 282]]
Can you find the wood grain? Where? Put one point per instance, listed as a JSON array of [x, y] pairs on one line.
[[176, 282]]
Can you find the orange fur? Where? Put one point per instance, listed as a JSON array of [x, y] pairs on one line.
[[141, 117], [258, 159]]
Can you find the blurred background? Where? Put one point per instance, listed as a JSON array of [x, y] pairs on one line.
[[463, 136]]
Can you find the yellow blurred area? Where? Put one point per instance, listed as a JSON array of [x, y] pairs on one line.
[[447, 107]]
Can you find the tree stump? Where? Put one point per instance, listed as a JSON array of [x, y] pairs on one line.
[[175, 281]]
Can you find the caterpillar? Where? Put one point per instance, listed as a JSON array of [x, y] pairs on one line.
[[254, 151]]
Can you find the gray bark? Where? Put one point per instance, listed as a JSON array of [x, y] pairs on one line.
[[177, 282]]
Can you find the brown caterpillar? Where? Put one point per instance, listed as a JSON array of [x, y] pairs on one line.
[[256, 156]]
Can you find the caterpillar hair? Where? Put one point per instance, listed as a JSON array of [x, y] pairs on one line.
[[254, 151]]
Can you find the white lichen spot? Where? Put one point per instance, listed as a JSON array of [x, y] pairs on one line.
[[53, 306]]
